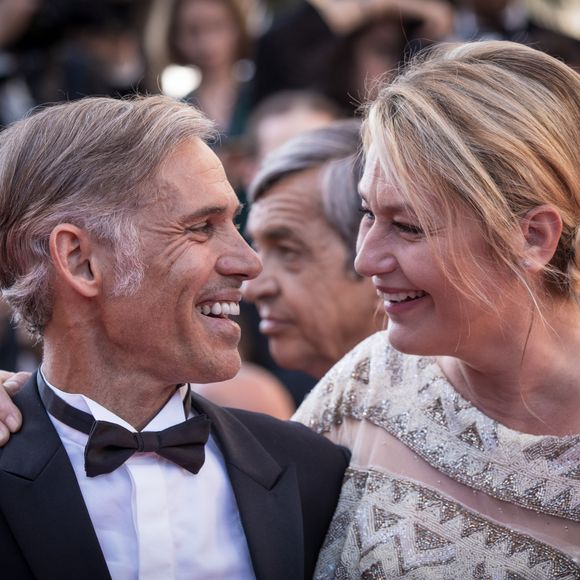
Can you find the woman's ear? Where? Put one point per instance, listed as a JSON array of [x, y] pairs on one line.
[[74, 259], [541, 228]]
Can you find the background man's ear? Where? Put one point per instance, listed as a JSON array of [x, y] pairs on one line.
[[74, 259], [542, 228]]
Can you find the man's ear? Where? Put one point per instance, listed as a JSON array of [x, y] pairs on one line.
[[541, 228], [74, 259]]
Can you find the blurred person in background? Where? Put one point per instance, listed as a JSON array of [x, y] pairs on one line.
[[213, 37], [491, 20], [372, 52], [303, 222], [303, 46], [273, 122], [101, 52], [282, 116]]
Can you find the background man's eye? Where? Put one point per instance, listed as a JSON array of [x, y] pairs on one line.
[[287, 253]]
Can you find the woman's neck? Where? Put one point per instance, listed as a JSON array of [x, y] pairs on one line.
[[531, 386]]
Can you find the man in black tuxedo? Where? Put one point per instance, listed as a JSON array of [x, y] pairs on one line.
[[118, 247]]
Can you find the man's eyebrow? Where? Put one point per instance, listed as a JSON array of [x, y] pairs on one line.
[[211, 210], [279, 233]]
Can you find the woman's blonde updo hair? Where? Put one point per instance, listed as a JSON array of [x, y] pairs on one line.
[[493, 127]]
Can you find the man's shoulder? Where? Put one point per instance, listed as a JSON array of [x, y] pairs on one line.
[[276, 434], [319, 464]]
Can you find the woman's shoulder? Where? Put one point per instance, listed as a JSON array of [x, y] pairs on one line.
[[370, 372]]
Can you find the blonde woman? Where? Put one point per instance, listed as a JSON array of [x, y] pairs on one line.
[[464, 416]]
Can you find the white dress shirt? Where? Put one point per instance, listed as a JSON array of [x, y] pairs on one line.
[[155, 520]]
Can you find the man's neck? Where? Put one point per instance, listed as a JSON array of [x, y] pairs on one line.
[[128, 393]]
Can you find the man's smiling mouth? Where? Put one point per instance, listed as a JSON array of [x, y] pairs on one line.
[[219, 309]]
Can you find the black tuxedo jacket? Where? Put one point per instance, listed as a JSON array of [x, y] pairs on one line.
[[286, 480]]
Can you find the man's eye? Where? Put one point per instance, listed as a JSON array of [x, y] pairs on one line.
[[205, 228], [408, 228], [287, 253]]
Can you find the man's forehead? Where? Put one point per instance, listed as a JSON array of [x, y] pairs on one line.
[[193, 164], [287, 206], [193, 153], [277, 221]]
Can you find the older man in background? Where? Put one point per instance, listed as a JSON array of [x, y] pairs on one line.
[[304, 222]]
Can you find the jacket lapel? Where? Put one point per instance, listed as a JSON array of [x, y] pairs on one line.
[[42, 502], [267, 495]]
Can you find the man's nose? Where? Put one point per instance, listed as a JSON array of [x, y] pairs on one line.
[[240, 260]]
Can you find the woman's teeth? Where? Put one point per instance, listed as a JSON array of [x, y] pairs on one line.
[[402, 296], [219, 309]]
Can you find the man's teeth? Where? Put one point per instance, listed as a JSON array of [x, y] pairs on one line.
[[220, 309], [402, 296]]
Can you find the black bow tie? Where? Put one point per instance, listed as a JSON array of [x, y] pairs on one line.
[[110, 445]]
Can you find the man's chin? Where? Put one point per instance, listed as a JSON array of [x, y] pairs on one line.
[[222, 367], [227, 368]]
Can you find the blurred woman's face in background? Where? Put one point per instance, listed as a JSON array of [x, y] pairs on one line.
[[206, 34], [377, 52]]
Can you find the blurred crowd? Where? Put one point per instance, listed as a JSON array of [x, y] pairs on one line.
[[262, 70]]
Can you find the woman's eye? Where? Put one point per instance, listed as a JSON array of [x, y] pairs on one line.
[[367, 214], [408, 228]]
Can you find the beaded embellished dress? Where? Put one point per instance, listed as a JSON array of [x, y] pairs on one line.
[[435, 488]]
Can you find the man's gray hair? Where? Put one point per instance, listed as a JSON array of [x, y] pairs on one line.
[[91, 163], [337, 149]]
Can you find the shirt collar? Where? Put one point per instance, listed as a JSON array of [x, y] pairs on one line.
[[170, 414]]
